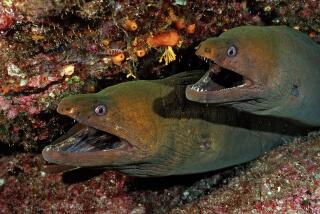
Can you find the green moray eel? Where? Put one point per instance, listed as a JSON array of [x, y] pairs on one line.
[[149, 128], [271, 71]]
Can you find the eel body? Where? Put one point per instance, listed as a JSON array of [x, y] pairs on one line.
[[270, 70], [149, 128]]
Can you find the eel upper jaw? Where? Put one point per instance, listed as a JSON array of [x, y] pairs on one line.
[[221, 85], [88, 147]]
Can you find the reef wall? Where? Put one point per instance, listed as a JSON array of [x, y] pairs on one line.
[[52, 48]]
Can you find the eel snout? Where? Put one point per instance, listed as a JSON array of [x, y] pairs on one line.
[[67, 107]]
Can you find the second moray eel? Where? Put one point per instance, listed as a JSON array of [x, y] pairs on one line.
[[149, 128], [271, 71]]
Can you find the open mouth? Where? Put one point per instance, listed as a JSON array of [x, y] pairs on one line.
[[217, 82], [86, 146], [87, 139], [220, 79], [90, 139]]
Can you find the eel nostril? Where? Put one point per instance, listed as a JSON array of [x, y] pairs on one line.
[[70, 110]]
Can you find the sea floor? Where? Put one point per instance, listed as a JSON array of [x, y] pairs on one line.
[[286, 180]]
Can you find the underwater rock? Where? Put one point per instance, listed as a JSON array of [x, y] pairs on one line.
[[286, 180], [58, 47], [42, 38]]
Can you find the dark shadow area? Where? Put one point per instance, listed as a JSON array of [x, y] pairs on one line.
[[151, 69], [148, 183], [103, 83], [267, 17], [175, 105], [54, 120], [5, 149], [184, 189], [81, 175], [160, 183]]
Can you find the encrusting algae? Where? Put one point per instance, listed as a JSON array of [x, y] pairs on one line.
[[38, 38]]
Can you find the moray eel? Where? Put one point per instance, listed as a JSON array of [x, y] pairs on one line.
[[271, 71], [149, 128]]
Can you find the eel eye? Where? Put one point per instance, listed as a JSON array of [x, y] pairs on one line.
[[232, 51], [100, 110]]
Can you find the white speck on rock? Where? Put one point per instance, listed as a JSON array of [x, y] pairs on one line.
[[139, 210], [14, 70], [42, 173], [23, 82], [2, 182], [67, 70], [180, 2]]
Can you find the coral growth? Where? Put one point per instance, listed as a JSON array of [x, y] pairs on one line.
[[50, 49], [163, 39], [53, 48]]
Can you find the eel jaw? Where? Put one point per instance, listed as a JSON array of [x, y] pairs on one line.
[[88, 147], [221, 85]]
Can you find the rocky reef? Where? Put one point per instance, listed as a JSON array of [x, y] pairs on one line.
[[53, 48], [287, 180], [50, 49]]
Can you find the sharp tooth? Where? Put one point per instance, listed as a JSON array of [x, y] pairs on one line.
[[195, 87], [206, 79], [201, 90]]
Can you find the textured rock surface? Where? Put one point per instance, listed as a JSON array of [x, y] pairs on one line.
[[286, 180], [50, 49]]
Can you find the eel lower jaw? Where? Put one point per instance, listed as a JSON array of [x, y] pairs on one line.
[[84, 147], [220, 85]]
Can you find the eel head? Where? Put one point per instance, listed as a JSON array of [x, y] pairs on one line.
[[116, 131], [242, 67]]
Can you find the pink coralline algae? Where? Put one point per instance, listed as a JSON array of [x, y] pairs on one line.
[[4, 103], [25, 183], [100, 43], [52, 48], [24, 104], [7, 15], [280, 182], [5, 21], [284, 181]]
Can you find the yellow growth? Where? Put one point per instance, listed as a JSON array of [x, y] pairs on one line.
[[131, 74], [168, 55], [37, 38]]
